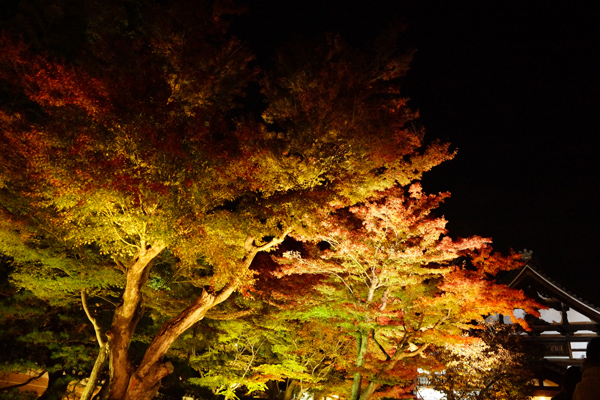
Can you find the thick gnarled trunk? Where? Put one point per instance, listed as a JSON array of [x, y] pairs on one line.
[[145, 381], [127, 382], [125, 320]]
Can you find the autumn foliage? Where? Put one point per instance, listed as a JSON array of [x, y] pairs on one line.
[[395, 281], [135, 170]]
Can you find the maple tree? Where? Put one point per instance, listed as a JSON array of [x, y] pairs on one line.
[[129, 161], [400, 285], [309, 353]]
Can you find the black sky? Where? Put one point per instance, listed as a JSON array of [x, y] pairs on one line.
[[515, 87]]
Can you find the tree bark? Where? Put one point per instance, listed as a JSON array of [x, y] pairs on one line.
[[145, 382], [125, 320], [289, 390], [96, 371], [362, 338], [369, 390]]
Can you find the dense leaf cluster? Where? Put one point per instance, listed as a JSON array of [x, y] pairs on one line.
[[135, 172]]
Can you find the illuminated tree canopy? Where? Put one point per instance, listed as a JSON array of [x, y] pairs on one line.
[[135, 171], [393, 280]]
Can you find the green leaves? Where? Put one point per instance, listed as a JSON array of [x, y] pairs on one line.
[[390, 275], [134, 143]]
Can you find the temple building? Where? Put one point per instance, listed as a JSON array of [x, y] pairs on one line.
[[562, 331]]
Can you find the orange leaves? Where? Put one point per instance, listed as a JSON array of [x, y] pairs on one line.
[[390, 318], [134, 141], [391, 271], [481, 296], [461, 244], [492, 263]]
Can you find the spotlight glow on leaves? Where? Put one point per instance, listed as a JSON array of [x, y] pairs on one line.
[[130, 154], [392, 278]]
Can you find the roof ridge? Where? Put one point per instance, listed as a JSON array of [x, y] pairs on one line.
[[538, 270]]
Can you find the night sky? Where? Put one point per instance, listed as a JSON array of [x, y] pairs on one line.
[[515, 87]]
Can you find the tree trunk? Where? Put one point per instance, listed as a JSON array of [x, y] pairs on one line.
[[125, 320], [395, 359], [102, 353], [362, 339], [300, 392], [127, 383], [145, 381], [369, 390], [289, 390], [96, 371]]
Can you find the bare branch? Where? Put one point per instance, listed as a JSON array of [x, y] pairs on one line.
[[276, 241], [419, 351], [384, 298], [93, 320]]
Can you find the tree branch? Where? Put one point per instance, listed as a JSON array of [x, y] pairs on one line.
[[93, 320], [410, 354], [276, 241], [384, 298]]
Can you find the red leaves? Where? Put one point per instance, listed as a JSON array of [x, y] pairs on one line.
[[56, 85], [398, 391], [391, 318], [52, 83]]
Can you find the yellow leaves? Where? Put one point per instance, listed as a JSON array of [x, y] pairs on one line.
[[388, 256]]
